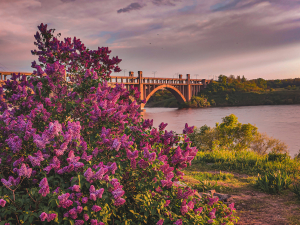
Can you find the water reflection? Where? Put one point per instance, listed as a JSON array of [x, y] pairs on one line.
[[281, 122]]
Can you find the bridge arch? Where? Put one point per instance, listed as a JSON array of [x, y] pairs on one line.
[[178, 95]]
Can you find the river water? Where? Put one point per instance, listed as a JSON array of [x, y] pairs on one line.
[[279, 121]]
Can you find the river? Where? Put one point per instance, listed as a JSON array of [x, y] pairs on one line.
[[278, 121]]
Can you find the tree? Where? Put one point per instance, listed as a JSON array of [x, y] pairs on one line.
[[222, 79]]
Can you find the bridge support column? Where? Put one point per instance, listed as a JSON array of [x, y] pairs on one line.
[[204, 83], [188, 90], [141, 88]]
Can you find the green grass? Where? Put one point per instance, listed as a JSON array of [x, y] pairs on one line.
[[248, 162]]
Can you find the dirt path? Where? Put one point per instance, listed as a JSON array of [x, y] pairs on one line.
[[259, 208], [255, 207]]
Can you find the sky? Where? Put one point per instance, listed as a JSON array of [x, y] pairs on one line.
[[204, 38]]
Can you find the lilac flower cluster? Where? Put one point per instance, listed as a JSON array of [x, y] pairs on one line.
[[85, 147]]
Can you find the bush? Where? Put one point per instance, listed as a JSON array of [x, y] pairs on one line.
[[232, 134], [273, 182], [273, 156], [79, 152], [296, 190]]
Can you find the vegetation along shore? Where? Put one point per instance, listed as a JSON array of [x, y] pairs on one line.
[[236, 91]]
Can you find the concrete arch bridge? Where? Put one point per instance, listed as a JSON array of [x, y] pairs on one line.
[[182, 89]]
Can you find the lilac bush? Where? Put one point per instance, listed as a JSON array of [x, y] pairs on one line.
[[76, 150]]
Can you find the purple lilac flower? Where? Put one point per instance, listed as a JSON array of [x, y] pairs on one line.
[[43, 216], [73, 213], [84, 200], [184, 208], [178, 222], [198, 211], [212, 214], [2, 202], [167, 203], [44, 187], [24, 171], [160, 222], [15, 143], [86, 217], [96, 208], [187, 129], [162, 126], [76, 188], [79, 222], [88, 174], [119, 201]]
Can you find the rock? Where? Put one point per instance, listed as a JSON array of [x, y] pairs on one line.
[[222, 197], [212, 192]]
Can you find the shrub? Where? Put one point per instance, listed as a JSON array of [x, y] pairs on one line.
[[79, 152], [236, 136], [273, 156], [296, 190], [273, 182]]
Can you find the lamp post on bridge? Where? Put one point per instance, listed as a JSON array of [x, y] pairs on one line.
[[196, 76], [125, 71], [154, 73]]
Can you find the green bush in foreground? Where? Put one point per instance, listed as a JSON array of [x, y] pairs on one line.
[[273, 182]]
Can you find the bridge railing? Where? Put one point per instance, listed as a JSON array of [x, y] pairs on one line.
[[127, 80]]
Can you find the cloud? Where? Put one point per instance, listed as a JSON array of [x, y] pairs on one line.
[[224, 5], [132, 6], [68, 1], [165, 2]]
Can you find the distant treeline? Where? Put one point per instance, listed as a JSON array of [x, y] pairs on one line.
[[232, 84], [236, 91]]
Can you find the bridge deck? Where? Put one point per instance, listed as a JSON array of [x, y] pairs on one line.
[[182, 89]]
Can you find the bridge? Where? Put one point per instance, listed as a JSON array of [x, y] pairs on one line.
[[182, 89]]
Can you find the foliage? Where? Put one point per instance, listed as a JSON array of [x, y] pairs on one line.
[[273, 182], [78, 152], [195, 102]]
